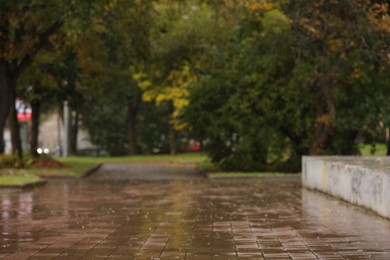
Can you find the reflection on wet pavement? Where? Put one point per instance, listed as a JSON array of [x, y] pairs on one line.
[[262, 218]]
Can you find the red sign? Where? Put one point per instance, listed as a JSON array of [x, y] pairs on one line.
[[24, 111]]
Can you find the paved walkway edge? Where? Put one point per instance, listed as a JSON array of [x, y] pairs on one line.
[[25, 185], [353, 179], [56, 176], [92, 170]]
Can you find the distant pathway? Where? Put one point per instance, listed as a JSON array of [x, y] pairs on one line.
[[147, 171], [132, 216]]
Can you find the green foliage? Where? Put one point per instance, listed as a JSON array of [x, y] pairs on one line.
[[108, 126], [182, 40], [12, 161], [261, 82], [373, 149], [231, 106], [152, 128], [275, 21], [292, 81]]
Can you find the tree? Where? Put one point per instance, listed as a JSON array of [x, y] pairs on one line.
[[38, 89], [343, 46], [88, 46], [124, 40], [27, 27], [183, 38], [289, 81]]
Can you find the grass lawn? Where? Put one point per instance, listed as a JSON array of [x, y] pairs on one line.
[[73, 171], [180, 158], [79, 165], [16, 177], [248, 174], [369, 150]]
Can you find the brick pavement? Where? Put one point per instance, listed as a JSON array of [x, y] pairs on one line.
[[195, 218]]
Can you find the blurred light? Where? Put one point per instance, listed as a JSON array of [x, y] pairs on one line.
[[39, 150], [46, 151]]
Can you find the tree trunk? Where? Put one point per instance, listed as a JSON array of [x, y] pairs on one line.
[[172, 132], [131, 130], [15, 129], [59, 128], [36, 112], [133, 103], [7, 82], [325, 121], [172, 140], [2, 143], [388, 141], [69, 130], [74, 133]]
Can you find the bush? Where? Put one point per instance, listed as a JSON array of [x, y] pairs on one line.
[[11, 161]]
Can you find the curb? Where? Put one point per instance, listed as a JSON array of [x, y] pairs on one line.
[[25, 185], [202, 172], [51, 177], [91, 171]]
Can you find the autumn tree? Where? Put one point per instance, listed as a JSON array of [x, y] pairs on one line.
[[343, 50], [118, 49], [293, 78], [86, 45], [26, 28], [37, 87], [183, 37], [24, 32]]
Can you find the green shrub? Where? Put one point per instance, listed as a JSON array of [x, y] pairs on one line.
[[10, 161]]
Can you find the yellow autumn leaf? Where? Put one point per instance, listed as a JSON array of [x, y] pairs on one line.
[[144, 84], [148, 96]]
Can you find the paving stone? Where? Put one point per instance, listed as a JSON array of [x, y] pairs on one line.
[[185, 218]]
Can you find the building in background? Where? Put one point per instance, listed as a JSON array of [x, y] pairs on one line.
[[51, 131], [51, 134], [24, 118]]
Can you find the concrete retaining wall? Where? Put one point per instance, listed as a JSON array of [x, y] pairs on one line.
[[364, 181]]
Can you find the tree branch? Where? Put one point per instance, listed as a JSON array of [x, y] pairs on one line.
[[43, 39]]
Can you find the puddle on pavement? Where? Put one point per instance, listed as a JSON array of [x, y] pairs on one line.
[[270, 217]]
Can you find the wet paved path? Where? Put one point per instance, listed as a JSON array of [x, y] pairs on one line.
[[184, 218]]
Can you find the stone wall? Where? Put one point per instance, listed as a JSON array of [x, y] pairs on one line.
[[364, 181]]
